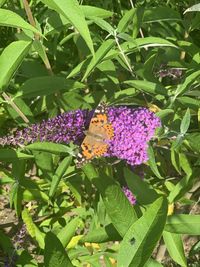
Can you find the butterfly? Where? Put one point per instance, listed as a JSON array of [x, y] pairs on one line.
[[100, 130]]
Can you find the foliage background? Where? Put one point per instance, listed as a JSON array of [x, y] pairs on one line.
[[58, 56]]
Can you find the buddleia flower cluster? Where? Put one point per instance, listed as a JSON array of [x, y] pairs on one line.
[[133, 129], [131, 198]]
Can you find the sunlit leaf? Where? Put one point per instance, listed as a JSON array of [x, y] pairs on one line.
[[174, 246], [145, 232], [185, 123], [32, 228], [11, 19], [50, 147], [194, 8], [122, 215], [152, 163], [58, 175], [10, 59], [73, 12], [183, 224], [99, 55], [147, 87], [67, 232]]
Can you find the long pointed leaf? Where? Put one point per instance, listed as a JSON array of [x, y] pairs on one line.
[[120, 211], [10, 60], [55, 254], [99, 55], [183, 224], [143, 234], [11, 19], [174, 246], [58, 175], [71, 10]]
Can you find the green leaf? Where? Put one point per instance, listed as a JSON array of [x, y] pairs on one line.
[[175, 160], [182, 187], [137, 21], [18, 170], [25, 259], [67, 232], [40, 49], [80, 67], [195, 249], [194, 141], [120, 211], [41, 86], [93, 11], [165, 112], [2, 2], [63, 166], [158, 14], [50, 147], [185, 123], [104, 25], [143, 234], [147, 87], [10, 19], [108, 69], [124, 94], [125, 20], [13, 192], [101, 235], [29, 223], [6, 244], [71, 10], [174, 246], [44, 162], [185, 86], [183, 224], [6, 178], [152, 162], [153, 263], [23, 107], [189, 102], [185, 164], [190, 48], [54, 253], [34, 194], [10, 59], [32, 228], [141, 190], [176, 144], [136, 44], [99, 55], [9, 155], [194, 8]]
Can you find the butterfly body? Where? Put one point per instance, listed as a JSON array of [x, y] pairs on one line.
[[99, 132]]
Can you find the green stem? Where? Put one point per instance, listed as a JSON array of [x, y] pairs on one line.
[[15, 107]]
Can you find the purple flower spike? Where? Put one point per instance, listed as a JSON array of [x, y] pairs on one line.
[[129, 195], [133, 128], [65, 128]]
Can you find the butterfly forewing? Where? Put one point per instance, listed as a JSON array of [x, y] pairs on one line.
[[94, 144]]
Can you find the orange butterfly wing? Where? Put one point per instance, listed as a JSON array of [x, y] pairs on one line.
[[94, 144]]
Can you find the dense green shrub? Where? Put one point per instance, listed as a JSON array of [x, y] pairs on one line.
[[57, 56]]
